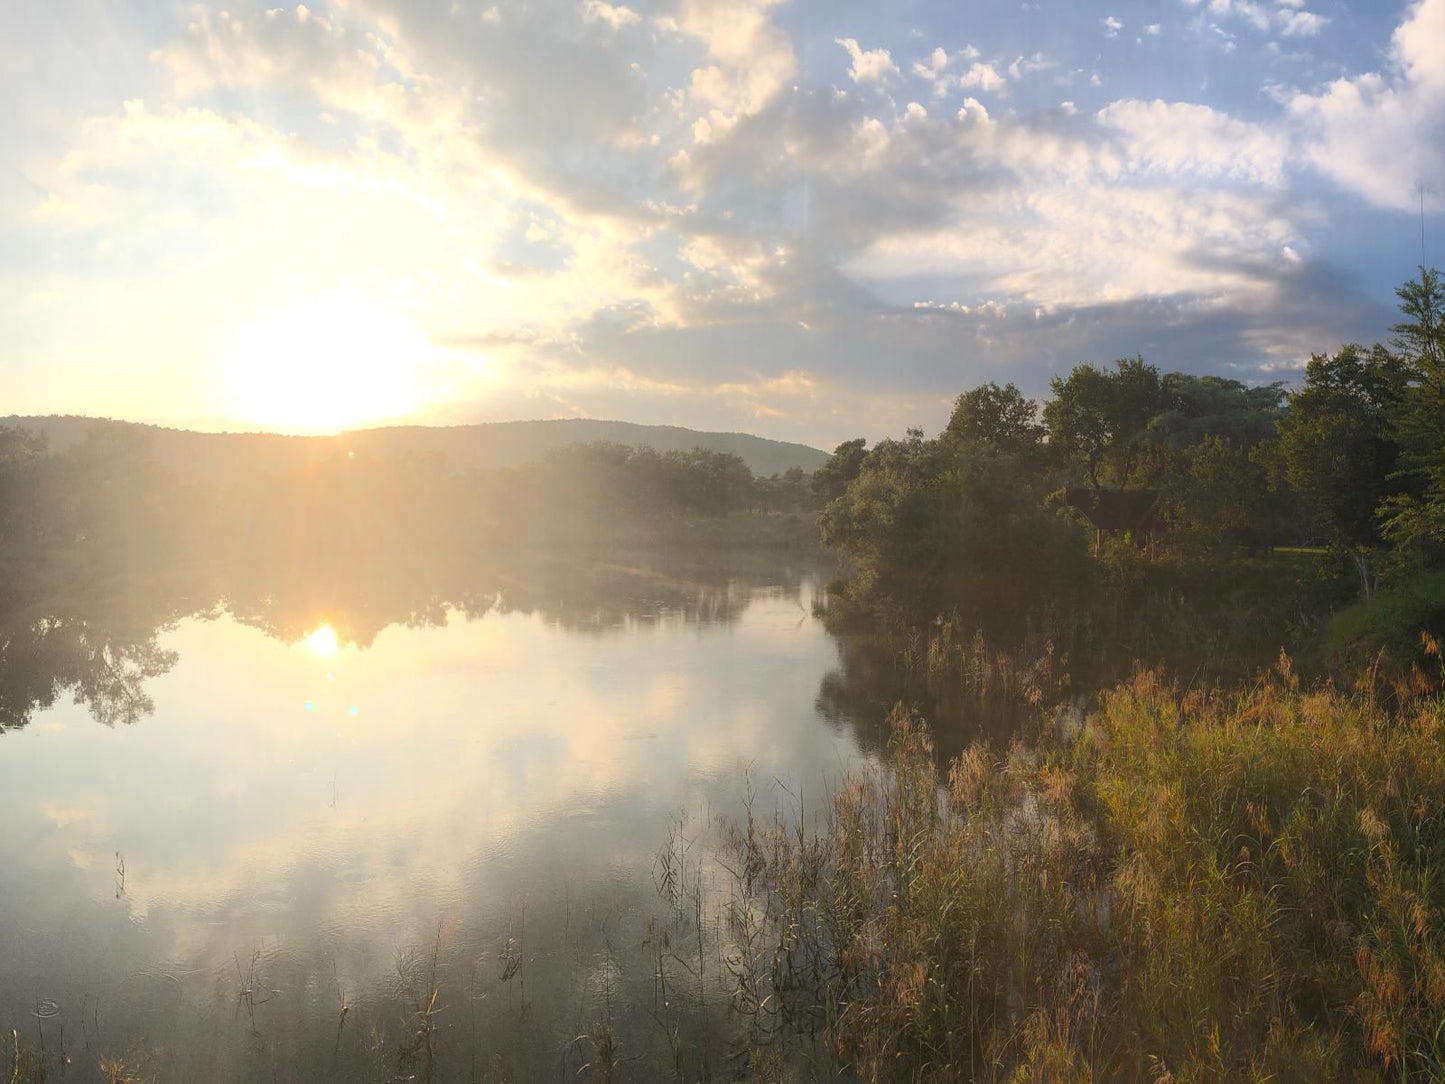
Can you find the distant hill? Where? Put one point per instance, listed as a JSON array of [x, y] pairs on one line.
[[220, 456]]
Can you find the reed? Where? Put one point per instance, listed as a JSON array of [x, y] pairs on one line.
[[1195, 886]]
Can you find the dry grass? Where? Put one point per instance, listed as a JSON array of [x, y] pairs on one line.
[[1241, 886]]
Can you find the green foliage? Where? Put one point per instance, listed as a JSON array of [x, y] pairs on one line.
[[1222, 498], [1421, 337], [935, 526], [1199, 407], [1413, 518], [618, 477], [832, 478], [1393, 621], [997, 417], [1098, 418], [1337, 443]]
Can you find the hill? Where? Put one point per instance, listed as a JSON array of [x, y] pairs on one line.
[[220, 456]]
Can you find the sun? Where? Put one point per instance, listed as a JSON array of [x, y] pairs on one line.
[[322, 640], [325, 363]]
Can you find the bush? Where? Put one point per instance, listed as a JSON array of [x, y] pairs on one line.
[[1393, 621]]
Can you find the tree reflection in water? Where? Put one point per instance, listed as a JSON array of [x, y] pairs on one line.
[[105, 668], [103, 647]]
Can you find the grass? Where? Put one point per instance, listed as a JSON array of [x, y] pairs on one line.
[[1210, 886]]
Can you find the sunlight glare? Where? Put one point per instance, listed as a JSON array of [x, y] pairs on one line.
[[324, 363], [322, 640]]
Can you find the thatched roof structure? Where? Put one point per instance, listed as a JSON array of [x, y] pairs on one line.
[[1116, 509]]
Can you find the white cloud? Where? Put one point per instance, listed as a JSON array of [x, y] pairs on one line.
[[1301, 24], [964, 71], [1149, 199], [538, 185], [1379, 134], [1027, 65], [1111, 26], [1178, 139], [615, 16], [1288, 18], [982, 77], [754, 56], [871, 66]]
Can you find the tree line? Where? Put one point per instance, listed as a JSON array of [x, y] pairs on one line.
[[106, 507], [1347, 471]]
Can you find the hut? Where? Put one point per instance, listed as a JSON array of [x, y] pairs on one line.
[[1109, 509]]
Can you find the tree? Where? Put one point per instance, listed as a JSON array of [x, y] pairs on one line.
[[1098, 418], [1198, 407], [937, 526], [1221, 497], [1414, 518], [832, 478], [1338, 446], [997, 416], [1421, 338]]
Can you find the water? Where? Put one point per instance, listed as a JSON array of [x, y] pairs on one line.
[[279, 799]]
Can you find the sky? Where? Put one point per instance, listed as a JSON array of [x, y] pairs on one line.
[[807, 219]]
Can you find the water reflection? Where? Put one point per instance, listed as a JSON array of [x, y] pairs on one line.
[[101, 658], [102, 648], [340, 773]]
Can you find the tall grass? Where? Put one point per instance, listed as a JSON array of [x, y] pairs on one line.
[[1234, 885]]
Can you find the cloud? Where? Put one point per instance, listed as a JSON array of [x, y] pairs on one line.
[[873, 66], [1288, 17], [1180, 139], [1111, 26], [982, 77], [1381, 134], [615, 16], [1027, 65], [619, 208], [964, 71], [1300, 24], [741, 39]]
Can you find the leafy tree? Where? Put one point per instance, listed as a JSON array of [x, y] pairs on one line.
[[1000, 417], [1421, 338], [790, 491], [935, 526], [1414, 518], [1198, 407], [1222, 496], [832, 478], [1098, 418], [1338, 447]]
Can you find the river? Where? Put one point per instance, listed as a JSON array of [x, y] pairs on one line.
[[262, 832]]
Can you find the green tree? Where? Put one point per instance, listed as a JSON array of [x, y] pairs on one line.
[[931, 527], [1098, 418], [1197, 407], [997, 416], [1414, 518], [832, 478], [1221, 497], [1338, 446]]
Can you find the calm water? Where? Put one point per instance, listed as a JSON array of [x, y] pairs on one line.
[[271, 803]]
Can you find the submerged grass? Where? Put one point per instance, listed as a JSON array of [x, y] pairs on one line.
[[1229, 885]]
